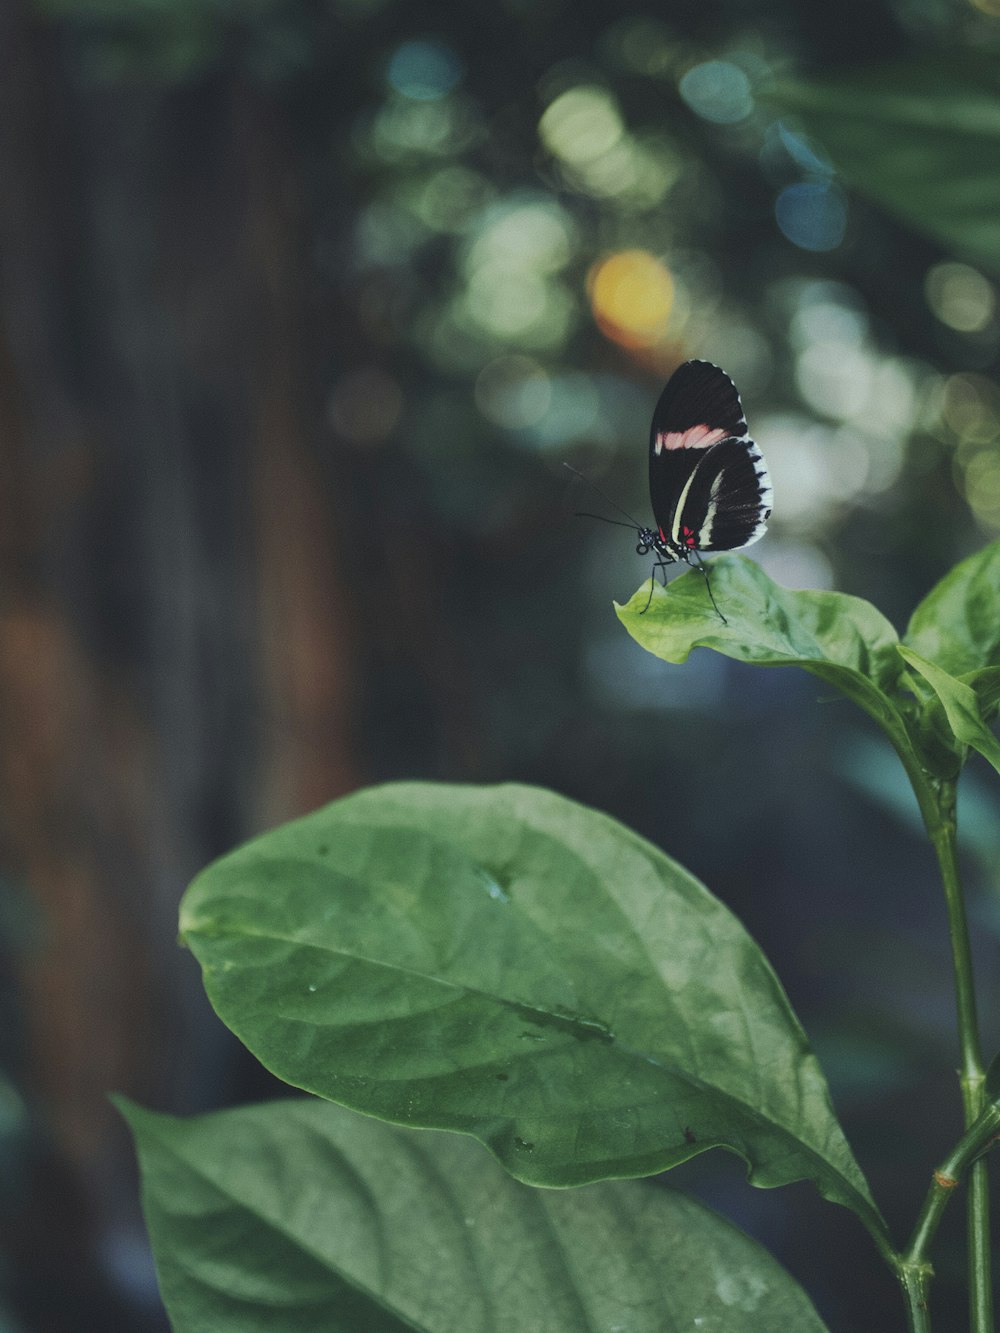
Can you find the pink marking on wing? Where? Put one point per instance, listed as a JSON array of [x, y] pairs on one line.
[[695, 437]]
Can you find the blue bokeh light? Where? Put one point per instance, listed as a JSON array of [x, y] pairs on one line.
[[812, 214], [717, 90], [424, 70]]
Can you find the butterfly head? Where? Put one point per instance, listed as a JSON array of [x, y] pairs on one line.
[[651, 540]]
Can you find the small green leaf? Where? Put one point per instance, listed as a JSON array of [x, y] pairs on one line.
[[920, 137], [986, 684], [957, 625], [299, 1217], [508, 964], [841, 639], [960, 705]]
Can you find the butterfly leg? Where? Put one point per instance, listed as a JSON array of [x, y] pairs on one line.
[[662, 566], [703, 569], [652, 585]]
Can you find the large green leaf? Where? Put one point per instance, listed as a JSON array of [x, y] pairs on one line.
[[506, 963], [299, 1217], [921, 137], [957, 625], [841, 639]]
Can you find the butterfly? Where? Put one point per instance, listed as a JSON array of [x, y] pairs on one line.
[[708, 484]]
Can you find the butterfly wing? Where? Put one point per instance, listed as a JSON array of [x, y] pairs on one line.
[[708, 484], [726, 501], [700, 400]]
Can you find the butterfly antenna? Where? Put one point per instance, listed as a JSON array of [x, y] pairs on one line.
[[606, 498], [583, 513]]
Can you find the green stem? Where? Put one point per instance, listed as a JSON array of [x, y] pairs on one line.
[[915, 1284], [915, 1269], [972, 1071], [980, 1267], [972, 1074], [936, 798]]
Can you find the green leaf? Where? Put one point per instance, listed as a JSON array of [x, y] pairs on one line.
[[299, 1217], [960, 705], [508, 964], [920, 137], [841, 639], [986, 684], [957, 625]]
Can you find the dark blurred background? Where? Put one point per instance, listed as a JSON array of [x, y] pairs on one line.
[[303, 304]]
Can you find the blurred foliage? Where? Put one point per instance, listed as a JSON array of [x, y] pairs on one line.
[[540, 221], [921, 138], [181, 40], [506, 223]]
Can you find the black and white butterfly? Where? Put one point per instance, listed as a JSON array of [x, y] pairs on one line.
[[708, 484]]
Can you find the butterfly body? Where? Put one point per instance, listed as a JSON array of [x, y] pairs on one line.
[[708, 484]]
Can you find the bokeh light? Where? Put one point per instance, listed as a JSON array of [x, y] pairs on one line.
[[795, 563], [812, 214], [403, 130], [511, 261], [807, 155], [513, 391], [424, 71], [960, 296], [717, 90], [970, 409], [527, 232], [581, 125], [584, 131], [815, 468], [449, 199], [970, 420], [631, 295], [642, 45], [842, 376], [980, 484]]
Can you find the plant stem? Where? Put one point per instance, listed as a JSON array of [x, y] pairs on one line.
[[971, 1075], [914, 1265], [936, 799], [915, 1283]]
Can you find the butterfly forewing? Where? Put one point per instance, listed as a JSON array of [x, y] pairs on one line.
[[708, 484], [699, 407]]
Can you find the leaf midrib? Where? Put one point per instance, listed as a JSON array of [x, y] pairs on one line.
[[749, 1111]]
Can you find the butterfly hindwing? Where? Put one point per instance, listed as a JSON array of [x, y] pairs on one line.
[[727, 500]]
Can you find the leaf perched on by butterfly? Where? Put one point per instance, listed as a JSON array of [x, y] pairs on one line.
[[920, 137], [506, 963], [300, 1217], [843, 640]]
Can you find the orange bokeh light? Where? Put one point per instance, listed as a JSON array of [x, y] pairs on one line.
[[631, 296]]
